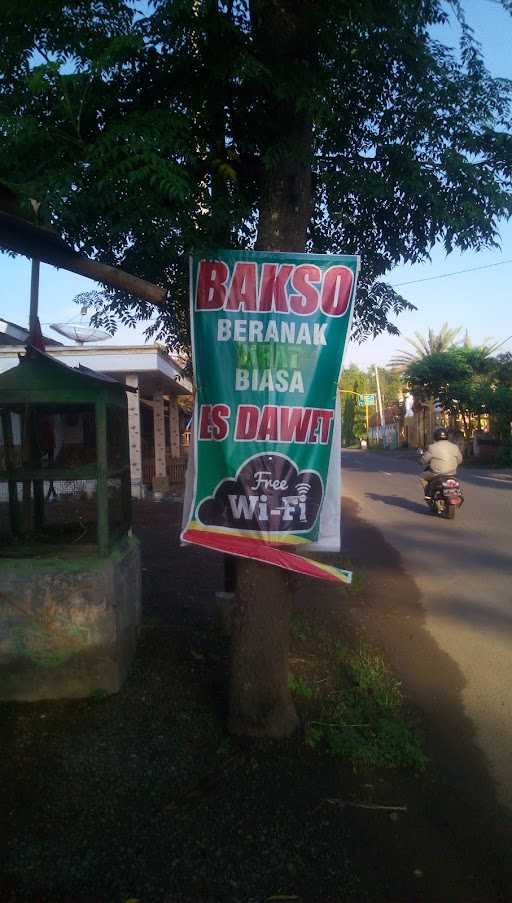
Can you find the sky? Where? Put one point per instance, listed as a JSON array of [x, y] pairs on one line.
[[477, 300]]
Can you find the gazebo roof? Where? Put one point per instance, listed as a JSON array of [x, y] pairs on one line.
[[40, 378]]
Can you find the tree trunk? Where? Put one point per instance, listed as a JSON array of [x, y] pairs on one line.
[[285, 208], [284, 34], [260, 700]]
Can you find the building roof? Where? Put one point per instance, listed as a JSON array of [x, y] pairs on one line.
[[155, 369], [12, 334], [38, 377]]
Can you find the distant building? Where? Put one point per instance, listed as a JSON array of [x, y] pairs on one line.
[[158, 413]]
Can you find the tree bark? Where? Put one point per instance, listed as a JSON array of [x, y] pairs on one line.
[[285, 209], [260, 700], [284, 33]]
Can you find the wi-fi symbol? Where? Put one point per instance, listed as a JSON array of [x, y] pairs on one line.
[[302, 490]]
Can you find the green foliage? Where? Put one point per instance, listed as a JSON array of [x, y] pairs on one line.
[[503, 369], [363, 721], [353, 423], [425, 346], [99, 695], [355, 380], [300, 688], [348, 436], [435, 375], [391, 384], [147, 133], [467, 381], [504, 457]]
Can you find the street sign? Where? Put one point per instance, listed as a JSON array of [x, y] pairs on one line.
[[366, 400]]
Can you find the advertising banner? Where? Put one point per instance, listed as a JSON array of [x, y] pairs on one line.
[[268, 333]]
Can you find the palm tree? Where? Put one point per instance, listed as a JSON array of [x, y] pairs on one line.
[[486, 347], [425, 345]]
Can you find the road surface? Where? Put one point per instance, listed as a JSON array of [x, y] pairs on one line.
[[462, 569]]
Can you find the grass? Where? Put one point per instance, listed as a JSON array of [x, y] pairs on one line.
[[363, 720], [352, 706], [300, 629], [300, 688]]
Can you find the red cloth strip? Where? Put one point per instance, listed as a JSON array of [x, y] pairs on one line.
[[261, 551]]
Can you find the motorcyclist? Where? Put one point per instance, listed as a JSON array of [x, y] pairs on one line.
[[441, 457]]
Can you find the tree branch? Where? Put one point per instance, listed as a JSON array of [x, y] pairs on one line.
[[23, 237]]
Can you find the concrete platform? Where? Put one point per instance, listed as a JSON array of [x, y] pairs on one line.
[[68, 626]]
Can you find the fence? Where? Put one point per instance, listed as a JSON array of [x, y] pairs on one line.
[[385, 436], [175, 468]]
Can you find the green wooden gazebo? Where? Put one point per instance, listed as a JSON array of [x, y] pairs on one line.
[[66, 427]]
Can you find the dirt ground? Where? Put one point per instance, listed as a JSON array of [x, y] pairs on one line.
[[143, 797]]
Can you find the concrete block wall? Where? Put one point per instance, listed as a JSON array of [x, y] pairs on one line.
[[68, 628]]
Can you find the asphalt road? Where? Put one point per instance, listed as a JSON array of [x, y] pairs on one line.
[[463, 571]]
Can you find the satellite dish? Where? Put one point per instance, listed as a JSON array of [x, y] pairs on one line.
[[80, 334]]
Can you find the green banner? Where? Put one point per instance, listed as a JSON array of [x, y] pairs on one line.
[[269, 332]]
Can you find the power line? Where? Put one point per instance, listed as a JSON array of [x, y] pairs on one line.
[[487, 266], [501, 343]]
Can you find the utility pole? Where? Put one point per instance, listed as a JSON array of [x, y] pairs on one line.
[[379, 398], [34, 298]]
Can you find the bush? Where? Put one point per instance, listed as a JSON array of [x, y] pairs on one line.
[[504, 456]]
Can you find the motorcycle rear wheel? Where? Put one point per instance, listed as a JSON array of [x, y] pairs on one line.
[[449, 512]]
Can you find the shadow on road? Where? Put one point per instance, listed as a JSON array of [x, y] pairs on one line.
[[481, 616], [492, 481], [461, 809], [398, 501], [396, 464]]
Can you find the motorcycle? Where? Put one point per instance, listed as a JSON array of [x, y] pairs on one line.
[[445, 494]]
